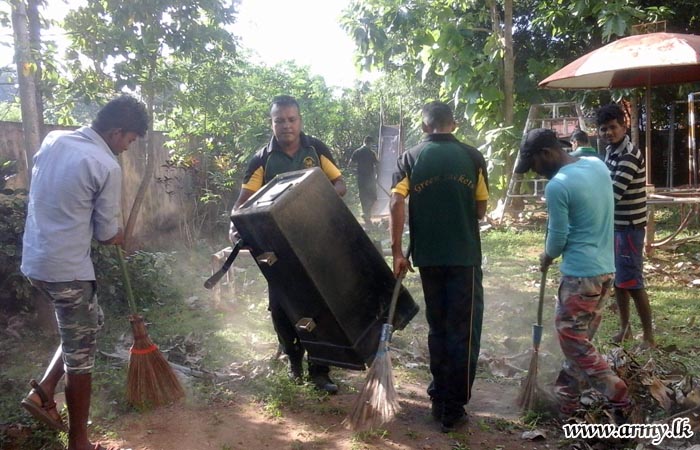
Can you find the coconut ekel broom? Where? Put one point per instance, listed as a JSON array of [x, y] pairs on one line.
[[527, 399], [377, 402], [150, 381]]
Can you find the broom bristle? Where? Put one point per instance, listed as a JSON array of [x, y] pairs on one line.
[[151, 381], [378, 401], [528, 392]]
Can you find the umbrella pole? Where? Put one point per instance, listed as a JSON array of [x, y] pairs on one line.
[[692, 148]]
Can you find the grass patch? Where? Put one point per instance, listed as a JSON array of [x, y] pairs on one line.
[[370, 435]]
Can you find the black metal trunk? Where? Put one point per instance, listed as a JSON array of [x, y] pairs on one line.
[[338, 286]]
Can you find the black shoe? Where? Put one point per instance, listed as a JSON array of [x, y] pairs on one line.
[[296, 372], [322, 382], [452, 419]]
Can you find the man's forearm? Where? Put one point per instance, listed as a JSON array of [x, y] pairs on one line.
[[244, 195], [339, 186], [397, 218], [481, 209], [117, 239]]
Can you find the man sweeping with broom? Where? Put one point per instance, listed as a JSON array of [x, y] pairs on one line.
[[75, 196], [580, 229], [447, 182]]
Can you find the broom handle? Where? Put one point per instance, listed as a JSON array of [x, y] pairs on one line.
[[540, 306], [543, 278], [395, 297], [127, 281]]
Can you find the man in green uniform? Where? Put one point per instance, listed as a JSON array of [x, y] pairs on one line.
[[581, 145], [289, 149], [448, 185]]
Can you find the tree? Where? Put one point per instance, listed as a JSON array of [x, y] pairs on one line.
[[133, 44], [220, 118], [27, 76], [464, 44], [34, 22]]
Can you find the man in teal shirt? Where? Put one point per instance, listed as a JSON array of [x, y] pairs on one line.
[[580, 210], [447, 182]]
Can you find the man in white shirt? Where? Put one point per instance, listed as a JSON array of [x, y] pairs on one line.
[[75, 196]]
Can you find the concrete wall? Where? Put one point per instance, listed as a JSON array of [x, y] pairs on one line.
[[164, 206]]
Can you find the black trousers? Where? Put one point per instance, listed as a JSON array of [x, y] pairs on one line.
[[368, 195], [287, 333], [454, 308]]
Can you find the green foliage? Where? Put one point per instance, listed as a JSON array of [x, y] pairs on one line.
[[143, 37], [370, 435], [150, 273], [8, 169], [132, 45], [221, 117], [14, 288], [460, 45], [214, 101], [41, 438], [10, 112], [497, 150]]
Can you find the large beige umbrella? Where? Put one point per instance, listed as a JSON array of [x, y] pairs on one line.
[[643, 60]]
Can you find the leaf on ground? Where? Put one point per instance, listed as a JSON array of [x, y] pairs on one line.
[[659, 391]]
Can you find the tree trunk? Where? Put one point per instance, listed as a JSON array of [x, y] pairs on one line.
[[508, 64], [27, 90], [35, 46], [145, 181]]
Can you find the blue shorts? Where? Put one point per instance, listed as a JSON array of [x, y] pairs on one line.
[[629, 266]]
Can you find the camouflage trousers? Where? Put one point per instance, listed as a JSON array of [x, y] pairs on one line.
[[578, 315], [79, 318]]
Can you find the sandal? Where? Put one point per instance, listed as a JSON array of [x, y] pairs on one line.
[[41, 412]]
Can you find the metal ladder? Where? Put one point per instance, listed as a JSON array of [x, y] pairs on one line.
[[527, 190]]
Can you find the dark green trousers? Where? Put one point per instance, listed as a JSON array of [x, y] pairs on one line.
[[454, 308]]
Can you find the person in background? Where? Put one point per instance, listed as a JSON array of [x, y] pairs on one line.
[[366, 169], [581, 146], [580, 211], [628, 171], [75, 196], [448, 187], [289, 149]]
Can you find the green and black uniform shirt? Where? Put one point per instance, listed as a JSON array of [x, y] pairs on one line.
[[444, 178], [270, 161]]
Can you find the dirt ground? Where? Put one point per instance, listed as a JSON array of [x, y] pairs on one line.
[[244, 421], [305, 421], [242, 424], [494, 418]]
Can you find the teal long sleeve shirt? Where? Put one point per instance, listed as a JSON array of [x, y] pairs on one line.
[[580, 205]]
